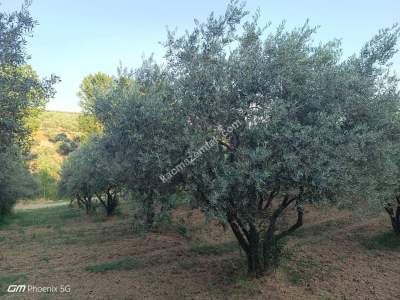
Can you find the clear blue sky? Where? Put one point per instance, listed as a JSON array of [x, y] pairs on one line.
[[78, 37]]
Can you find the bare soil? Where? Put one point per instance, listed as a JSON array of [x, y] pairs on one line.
[[335, 256]]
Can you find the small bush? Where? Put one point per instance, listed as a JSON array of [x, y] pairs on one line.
[[67, 147], [61, 137]]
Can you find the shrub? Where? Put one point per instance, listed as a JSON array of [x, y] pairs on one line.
[[60, 137], [66, 147]]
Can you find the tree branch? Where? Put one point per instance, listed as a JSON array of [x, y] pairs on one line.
[[389, 209], [284, 204], [243, 242], [271, 196], [299, 223], [243, 228], [101, 200]]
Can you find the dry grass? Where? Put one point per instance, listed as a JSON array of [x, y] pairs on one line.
[[327, 259], [50, 124], [46, 162]]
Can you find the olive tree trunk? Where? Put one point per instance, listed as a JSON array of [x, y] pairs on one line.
[[149, 211], [262, 246], [110, 203], [394, 215]]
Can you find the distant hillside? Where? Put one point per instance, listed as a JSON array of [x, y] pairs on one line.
[[47, 160]]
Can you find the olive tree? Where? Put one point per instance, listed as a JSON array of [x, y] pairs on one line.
[[21, 93], [104, 174], [390, 185], [90, 173], [309, 122], [143, 132], [394, 214], [74, 182], [15, 180]]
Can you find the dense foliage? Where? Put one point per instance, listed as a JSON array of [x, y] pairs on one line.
[[15, 180], [93, 86], [314, 126], [144, 133], [90, 173], [22, 93], [252, 123]]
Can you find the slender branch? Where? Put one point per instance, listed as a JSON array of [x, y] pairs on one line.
[[269, 200], [243, 242], [243, 228], [271, 196], [389, 208], [284, 204], [299, 223], [101, 200], [261, 201]]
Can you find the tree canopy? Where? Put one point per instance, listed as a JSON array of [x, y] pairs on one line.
[[22, 93], [286, 121], [313, 124]]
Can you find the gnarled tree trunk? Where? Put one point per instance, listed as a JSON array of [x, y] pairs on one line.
[[394, 215], [110, 203], [149, 213], [88, 204], [261, 245]]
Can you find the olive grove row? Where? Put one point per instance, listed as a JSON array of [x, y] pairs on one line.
[[314, 127]]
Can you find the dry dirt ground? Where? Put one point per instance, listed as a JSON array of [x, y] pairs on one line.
[[335, 256]]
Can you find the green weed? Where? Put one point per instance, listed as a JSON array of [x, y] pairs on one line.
[[44, 217], [299, 271], [381, 241], [126, 263], [5, 281], [215, 249]]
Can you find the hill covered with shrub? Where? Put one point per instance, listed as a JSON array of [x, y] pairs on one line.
[[56, 136]]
